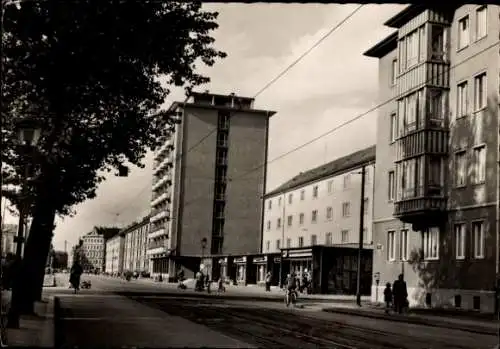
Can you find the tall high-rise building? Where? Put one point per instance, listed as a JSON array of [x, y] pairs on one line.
[[209, 179], [437, 173]]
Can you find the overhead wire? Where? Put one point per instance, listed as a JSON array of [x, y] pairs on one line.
[[284, 71], [346, 123]]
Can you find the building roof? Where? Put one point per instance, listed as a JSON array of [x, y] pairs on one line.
[[335, 167], [383, 47], [136, 224], [402, 17], [207, 93]]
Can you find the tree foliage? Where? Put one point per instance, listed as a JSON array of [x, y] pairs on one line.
[[88, 72]]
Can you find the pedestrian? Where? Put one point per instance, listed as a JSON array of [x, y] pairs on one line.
[[400, 294], [268, 281], [388, 297]]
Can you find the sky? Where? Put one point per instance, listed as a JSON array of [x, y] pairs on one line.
[[331, 85]]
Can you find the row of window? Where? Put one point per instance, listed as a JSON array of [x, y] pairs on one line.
[[481, 30], [346, 212], [344, 238], [413, 48], [93, 247], [93, 254], [430, 243], [412, 111], [315, 190], [412, 172]]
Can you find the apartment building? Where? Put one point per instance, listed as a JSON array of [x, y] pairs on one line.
[[436, 178], [135, 242], [322, 207], [214, 153], [92, 251], [115, 250]]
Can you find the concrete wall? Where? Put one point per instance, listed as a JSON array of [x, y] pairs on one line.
[[198, 175], [323, 225], [246, 174]]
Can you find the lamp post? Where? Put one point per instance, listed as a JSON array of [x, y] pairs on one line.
[[28, 134]]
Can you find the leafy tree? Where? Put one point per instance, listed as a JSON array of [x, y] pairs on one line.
[[87, 71]]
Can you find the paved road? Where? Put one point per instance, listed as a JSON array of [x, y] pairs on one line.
[[119, 313]]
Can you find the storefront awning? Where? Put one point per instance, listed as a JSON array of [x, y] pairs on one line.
[[302, 253], [240, 260], [260, 260]]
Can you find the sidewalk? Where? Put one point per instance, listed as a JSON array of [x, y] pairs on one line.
[[113, 321], [35, 331], [428, 317]]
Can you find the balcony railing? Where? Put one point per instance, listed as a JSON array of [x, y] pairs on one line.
[[421, 142], [164, 180], [414, 203], [157, 233]]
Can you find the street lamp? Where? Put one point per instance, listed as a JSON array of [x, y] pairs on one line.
[[28, 133]]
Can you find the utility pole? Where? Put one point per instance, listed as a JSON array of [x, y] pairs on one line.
[[361, 238], [282, 240]]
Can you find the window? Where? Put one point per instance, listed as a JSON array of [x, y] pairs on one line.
[[394, 71], [347, 181], [480, 92], [329, 213], [302, 195], [479, 164], [481, 22], [314, 216], [410, 174], [314, 240], [463, 32], [462, 99], [436, 107], [403, 245], [478, 234], [289, 220], [435, 175], [423, 44], [438, 44], [278, 244], [268, 225], [268, 244], [346, 209], [412, 46], [301, 241], [330, 186], [290, 198], [394, 127], [345, 236], [392, 186], [459, 241], [460, 169], [279, 202], [288, 243], [365, 206], [391, 245], [328, 239], [301, 218], [278, 223], [315, 191], [431, 243]]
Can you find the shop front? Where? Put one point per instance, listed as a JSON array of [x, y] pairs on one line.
[[265, 264], [333, 269], [222, 268], [245, 274]]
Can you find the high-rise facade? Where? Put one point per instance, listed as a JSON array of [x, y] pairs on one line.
[[437, 187], [209, 179]]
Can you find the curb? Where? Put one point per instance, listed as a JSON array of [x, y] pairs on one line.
[[414, 321], [57, 330]]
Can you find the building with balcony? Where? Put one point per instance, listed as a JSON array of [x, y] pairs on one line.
[[92, 251], [136, 242], [436, 180], [115, 250], [214, 153], [322, 207]]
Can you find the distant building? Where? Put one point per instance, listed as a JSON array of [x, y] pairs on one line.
[[93, 251], [217, 138], [60, 260], [135, 241], [437, 211], [115, 249], [321, 208]]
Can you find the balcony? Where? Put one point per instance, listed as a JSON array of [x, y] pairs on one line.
[[157, 250], [421, 206], [157, 233], [159, 214], [165, 163], [423, 141], [159, 198], [158, 183]]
